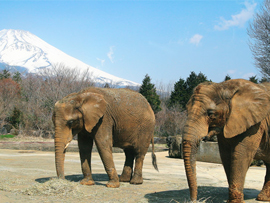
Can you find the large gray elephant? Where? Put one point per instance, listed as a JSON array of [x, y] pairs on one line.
[[237, 111], [110, 117]]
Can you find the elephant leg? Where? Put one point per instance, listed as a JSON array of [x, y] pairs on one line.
[[235, 189], [137, 176], [105, 151], [238, 170], [85, 143], [128, 167], [265, 193], [225, 155], [241, 160], [236, 158]]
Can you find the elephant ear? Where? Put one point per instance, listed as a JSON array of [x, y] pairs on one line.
[[93, 108], [249, 105]]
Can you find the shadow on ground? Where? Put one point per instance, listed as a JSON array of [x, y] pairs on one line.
[[206, 194], [77, 178]]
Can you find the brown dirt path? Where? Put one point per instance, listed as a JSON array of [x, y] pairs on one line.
[[28, 176]]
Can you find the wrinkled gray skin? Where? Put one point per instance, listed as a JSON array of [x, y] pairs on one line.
[[237, 111], [109, 117]]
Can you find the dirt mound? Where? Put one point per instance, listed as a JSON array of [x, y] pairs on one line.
[[54, 186]]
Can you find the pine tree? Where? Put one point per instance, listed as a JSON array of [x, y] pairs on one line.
[[184, 89], [178, 94], [254, 79], [5, 74], [148, 90], [227, 77], [17, 77], [264, 79]]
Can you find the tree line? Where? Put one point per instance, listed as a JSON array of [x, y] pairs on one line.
[[27, 100], [170, 110]]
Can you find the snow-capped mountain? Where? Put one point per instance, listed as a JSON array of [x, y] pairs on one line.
[[24, 50]]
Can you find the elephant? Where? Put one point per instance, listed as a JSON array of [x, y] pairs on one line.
[[237, 112], [111, 118]]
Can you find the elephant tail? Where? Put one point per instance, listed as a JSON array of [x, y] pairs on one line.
[[154, 158]]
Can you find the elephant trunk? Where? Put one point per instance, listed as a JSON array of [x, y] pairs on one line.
[[194, 130], [59, 157], [60, 142], [189, 152]]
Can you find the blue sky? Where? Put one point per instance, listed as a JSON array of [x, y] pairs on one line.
[[129, 39]]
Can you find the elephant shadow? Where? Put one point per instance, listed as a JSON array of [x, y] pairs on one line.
[[98, 178], [206, 194]]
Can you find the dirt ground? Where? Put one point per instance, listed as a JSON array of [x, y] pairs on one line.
[[29, 176]]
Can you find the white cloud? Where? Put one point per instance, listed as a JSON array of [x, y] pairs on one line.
[[196, 39], [248, 75], [231, 72], [240, 74], [237, 20], [110, 54], [101, 61]]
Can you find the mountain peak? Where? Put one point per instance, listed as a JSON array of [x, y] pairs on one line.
[[23, 49], [13, 35], [12, 31]]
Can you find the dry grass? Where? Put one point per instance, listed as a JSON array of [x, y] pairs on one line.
[[56, 187], [53, 187], [204, 200]]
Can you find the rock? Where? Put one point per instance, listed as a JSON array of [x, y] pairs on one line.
[[160, 140], [3, 131], [47, 134], [8, 127], [36, 133], [14, 132], [174, 144]]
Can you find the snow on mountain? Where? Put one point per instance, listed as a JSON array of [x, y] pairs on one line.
[[22, 49]]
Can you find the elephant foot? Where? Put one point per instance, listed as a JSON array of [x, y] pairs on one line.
[[113, 184], [87, 181], [235, 196], [136, 180], [263, 196], [125, 178], [126, 174]]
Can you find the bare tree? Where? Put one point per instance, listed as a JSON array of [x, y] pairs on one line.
[[60, 80], [39, 92], [9, 96], [170, 122], [163, 90], [259, 32]]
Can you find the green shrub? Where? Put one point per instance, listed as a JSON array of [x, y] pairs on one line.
[[257, 163], [6, 136]]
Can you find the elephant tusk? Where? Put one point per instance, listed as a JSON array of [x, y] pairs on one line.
[[67, 144]]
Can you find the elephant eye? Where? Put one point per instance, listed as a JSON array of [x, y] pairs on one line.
[[210, 112], [69, 123]]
